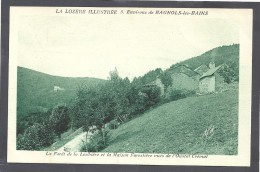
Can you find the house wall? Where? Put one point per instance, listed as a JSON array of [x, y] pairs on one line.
[[180, 81], [159, 83], [219, 81], [207, 84]]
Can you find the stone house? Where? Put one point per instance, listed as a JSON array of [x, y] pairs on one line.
[[204, 79], [209, 80], [201, 69], [184, 78]]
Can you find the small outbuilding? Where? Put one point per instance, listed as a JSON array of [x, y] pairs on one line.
[[207, 82], [57, 88]]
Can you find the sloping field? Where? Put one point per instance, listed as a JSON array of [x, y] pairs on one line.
[[196, 125]]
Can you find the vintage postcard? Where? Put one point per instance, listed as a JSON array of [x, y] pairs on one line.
[[146, 86]]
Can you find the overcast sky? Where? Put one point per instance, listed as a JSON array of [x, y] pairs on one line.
[[91, 47]]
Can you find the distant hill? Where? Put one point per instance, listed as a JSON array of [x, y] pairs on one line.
[[220, 55], [36, 90]]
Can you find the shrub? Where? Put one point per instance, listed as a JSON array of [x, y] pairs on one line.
[[229, 73], [97, 141], [151, 96], [35, 137], [172, 95], [25, 121], [166, 79], [59, 119]]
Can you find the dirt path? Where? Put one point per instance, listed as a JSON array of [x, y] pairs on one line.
[[75, 144]]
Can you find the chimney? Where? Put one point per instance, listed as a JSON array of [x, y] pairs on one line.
[[211, 65]]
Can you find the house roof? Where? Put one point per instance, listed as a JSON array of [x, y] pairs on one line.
[[210, 72], [185, 69], [201, 69]]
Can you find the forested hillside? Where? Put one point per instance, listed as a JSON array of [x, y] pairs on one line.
[[228, 55], [220, 55], [35, 90], [36, 95]]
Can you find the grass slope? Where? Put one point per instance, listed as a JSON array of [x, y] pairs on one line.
[[181, 127], [35, 90]]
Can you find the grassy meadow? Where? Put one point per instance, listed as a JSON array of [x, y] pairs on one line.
[[195, 125]]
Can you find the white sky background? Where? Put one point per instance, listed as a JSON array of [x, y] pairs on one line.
[[91, 46]]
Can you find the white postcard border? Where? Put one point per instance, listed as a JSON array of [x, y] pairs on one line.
[[244, 16]]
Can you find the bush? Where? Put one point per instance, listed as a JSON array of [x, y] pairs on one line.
[[25, 121], [59, 119], [35, 137], [172, 95], [151, 96], [229, 73], [97, 141], [113, 124]]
